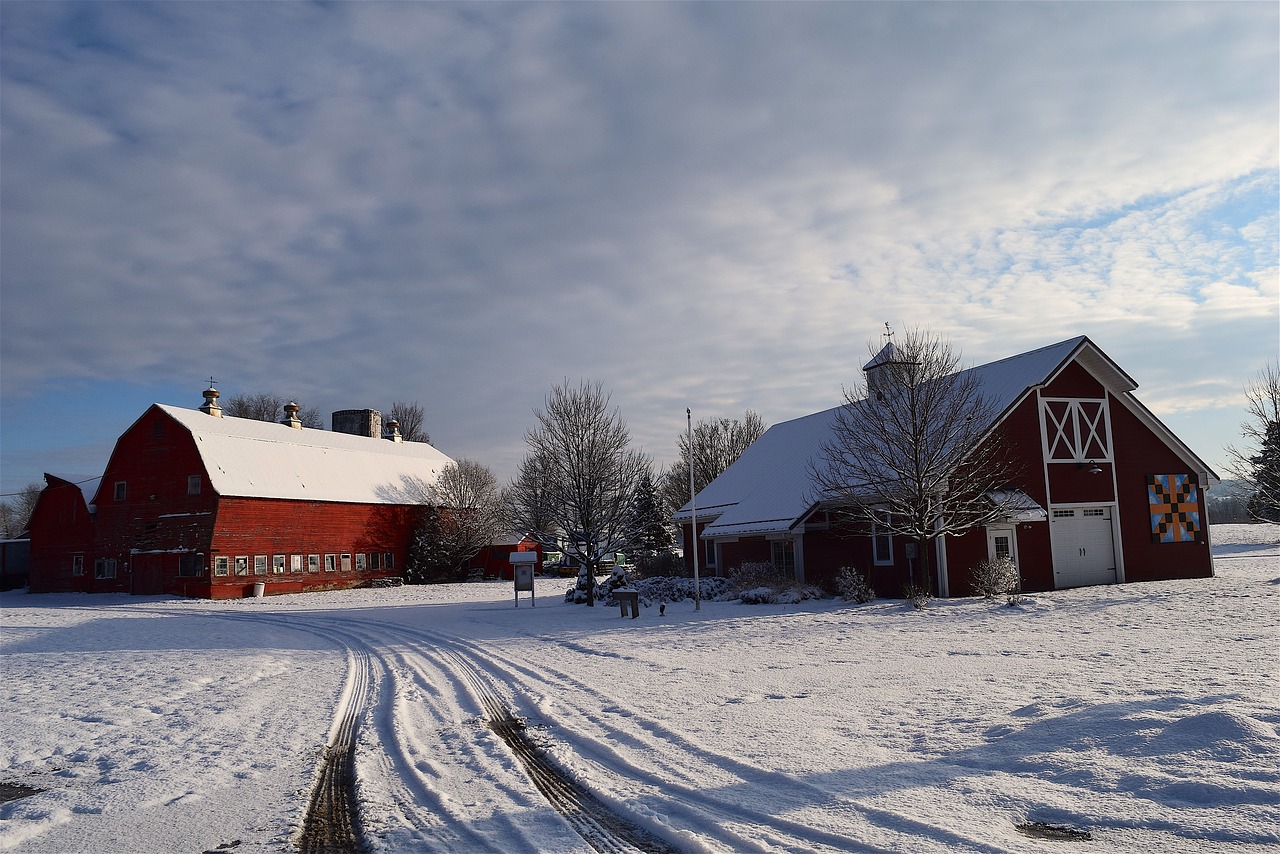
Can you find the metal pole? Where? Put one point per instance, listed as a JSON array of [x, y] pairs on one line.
[[693, 519]]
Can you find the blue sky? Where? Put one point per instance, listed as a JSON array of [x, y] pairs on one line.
[[713, 205]]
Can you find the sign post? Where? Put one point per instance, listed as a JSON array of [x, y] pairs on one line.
[[522, 564]]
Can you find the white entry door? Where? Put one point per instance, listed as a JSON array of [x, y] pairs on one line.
[[1084, 550], [1002, 542]]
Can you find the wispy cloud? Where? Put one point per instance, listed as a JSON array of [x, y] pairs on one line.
[[714, 203]]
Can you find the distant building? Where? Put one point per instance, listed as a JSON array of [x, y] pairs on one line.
[[196, 504], [1109, 493]]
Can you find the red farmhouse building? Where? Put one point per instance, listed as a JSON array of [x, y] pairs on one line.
[[195, 504], [1108, 495]]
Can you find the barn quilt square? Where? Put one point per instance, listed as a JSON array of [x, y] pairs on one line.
[[1175, 508]]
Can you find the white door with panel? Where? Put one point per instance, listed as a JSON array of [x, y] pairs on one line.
[[1084, 549]]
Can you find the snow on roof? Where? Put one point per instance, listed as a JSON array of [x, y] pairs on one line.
[[259, 459], [88, 484], [768, 489]]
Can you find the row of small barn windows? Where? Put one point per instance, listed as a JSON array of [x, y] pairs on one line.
[[281, 564], [193, 565]]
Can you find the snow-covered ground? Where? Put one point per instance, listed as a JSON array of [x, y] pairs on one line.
[[1144, 714]]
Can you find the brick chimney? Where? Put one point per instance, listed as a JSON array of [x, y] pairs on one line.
[[291, 415], [210, 405]]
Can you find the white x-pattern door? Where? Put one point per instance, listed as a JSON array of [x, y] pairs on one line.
[[1076, 430]]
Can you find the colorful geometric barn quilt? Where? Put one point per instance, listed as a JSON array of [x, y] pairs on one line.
[[1175, 508]]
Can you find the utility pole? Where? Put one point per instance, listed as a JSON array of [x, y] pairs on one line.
[[693, 519]]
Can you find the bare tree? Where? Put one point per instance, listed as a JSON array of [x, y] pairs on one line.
[[576, 489], [269, 407], [717, 442], [1258, 464], [464, 512], [16, 510], [913, 452], [411, 419]]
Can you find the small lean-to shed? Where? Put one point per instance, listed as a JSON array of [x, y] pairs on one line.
[[196, 504], [1108, 493]]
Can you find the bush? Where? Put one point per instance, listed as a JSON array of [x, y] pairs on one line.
[[917, 594], [853, 586], [660, 565], [764, 584], [996, 577], [763, 574]]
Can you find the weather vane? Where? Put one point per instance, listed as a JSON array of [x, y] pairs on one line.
[[888, 333]]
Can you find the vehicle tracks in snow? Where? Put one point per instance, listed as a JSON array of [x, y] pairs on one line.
[[331, 824]]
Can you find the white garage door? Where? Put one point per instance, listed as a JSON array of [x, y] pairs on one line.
[[1083, 546]]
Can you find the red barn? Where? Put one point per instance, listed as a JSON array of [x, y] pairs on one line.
[[195, 504], [1103, 478]]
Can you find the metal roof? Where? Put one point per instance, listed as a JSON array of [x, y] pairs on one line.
[[260, 459]]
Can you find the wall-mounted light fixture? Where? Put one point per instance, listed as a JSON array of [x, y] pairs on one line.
[[1091, 467]]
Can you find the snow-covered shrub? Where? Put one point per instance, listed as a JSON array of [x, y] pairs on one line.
[[666, 589], [917, 594], [578, 592], [618, 578], [762, 574], [853, 586], [995, 577]]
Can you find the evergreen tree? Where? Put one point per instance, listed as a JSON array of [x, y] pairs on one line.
[[653, 536], [1259, 468]]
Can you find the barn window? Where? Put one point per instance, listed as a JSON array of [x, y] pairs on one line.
[[881, 545], [120, 490], [784, 557], [388, 561], [295, 563], [242, 565], [330, 562], [259, 564], [710, 552], [375, 560], [190, 566], [346, 563], [77, 564], [361, 561], [104, 567], [313, 563], [220, 567], [277, 564], [193, 484]]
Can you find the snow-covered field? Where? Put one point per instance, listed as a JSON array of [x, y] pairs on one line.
[[1145, 715]]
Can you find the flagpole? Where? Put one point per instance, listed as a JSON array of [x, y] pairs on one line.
[[693, 519]]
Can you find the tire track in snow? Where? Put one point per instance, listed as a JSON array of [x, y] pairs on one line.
[[602, 829], [331, 824]]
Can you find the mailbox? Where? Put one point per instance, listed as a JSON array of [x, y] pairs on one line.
[[522, 564]]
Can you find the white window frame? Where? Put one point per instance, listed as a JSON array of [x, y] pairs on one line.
[[344, 562], [104, 568], [277, 564], [880, 536], [330, 562], [242, 565], [295, 563], [221, 566], [362, 562], [259, 564], [77, 565], [313, 563]]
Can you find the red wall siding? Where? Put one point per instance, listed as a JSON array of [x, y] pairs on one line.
[[60, 527], [261, 526], [1074, 381], [1139, 453]]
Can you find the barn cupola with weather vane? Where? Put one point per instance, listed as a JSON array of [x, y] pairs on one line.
[[889, 370], [210, 405]]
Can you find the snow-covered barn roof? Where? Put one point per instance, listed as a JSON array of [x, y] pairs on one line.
[[768, 489], [259, 459]]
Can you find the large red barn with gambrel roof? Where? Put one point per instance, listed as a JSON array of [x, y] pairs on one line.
[[196, 504]]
